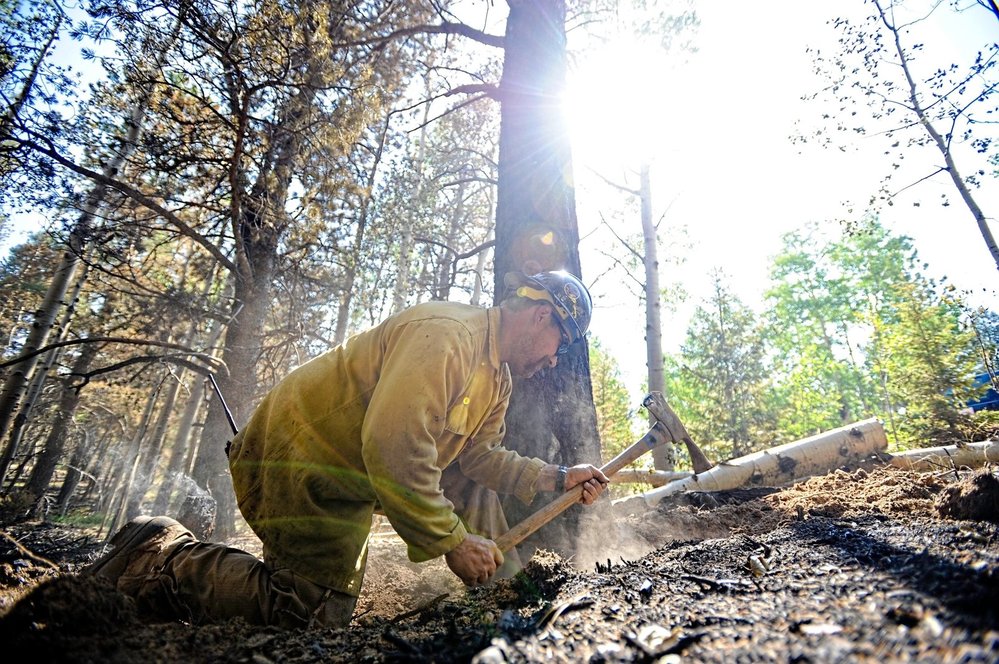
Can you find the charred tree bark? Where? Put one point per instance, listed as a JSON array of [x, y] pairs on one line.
[[551, 416]]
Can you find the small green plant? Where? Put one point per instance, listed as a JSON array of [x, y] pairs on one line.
[[78, 518]]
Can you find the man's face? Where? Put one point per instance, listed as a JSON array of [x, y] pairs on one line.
[[538, 346]]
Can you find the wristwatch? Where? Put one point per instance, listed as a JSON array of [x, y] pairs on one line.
[[563, 472]]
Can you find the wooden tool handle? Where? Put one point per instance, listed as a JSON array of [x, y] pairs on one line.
[[528, 526]]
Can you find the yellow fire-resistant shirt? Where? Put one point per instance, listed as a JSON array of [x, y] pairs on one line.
[[374, 422]]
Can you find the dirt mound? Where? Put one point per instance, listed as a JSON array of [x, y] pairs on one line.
[[883, 490], [74, 607], [975, 498], [689, 517]]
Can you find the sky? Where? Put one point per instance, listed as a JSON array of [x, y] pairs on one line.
[[724, 169]]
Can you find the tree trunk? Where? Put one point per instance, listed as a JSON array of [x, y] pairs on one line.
[[446, 268], [74, 473], [177, 453], [350, 272], [118, 514], [260, 222], [948, 457], [551, 416], [778, 465], [177, 450], [38, 381], [44, 319], [663, 457], [941, 144], [240, 354], [402, 279], [10, 115], [153, 444]]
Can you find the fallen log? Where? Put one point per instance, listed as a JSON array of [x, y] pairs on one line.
[[970, 455], [778, 465], [653, 477]]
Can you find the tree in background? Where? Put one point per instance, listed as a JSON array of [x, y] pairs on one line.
[[929, 361], [853, 330], [666, 28], [720, 381], [919, 355], [81, 229], [812, 313], [615, 421], [247, 98], [913, 104], [260, 172], [985, 325]]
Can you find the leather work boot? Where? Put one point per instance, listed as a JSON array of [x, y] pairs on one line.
[[139, 551]]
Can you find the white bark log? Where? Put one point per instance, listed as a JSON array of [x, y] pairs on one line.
[[653, 477], [778, 465], [972, 455]]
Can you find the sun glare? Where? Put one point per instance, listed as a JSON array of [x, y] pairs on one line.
[[617, 104]]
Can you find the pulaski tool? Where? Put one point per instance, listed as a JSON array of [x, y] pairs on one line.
[[667, 429]]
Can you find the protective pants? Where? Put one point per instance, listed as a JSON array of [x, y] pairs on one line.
[[204, 582]]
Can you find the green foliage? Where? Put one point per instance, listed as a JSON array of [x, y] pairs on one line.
[[720, 383], [81, 518], [853, 331], [928, 361], [984, 325]]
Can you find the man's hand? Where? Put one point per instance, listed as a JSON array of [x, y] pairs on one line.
[[592, 479], [474, 560]]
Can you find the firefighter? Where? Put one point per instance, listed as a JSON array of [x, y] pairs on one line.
[[404, 419]]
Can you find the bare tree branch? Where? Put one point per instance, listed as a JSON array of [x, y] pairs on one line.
[[140, 359], [913, 184], [627, 190], [468, 254], [620, 239], [214, 362], [467, 102], [445, 28], [134, 194]]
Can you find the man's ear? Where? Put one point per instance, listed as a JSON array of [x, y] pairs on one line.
[[543, 312]]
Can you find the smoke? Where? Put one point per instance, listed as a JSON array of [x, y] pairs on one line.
[[609, 533], [197, 507], [605, 535]]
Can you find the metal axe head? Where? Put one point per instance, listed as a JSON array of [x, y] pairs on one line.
[[656, 404]]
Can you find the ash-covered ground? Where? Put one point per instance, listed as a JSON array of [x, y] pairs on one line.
[[871, 565]]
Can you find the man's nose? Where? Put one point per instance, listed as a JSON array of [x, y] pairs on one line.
[[553, 361]]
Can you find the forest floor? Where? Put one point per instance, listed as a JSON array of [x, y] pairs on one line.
[[867, 565]]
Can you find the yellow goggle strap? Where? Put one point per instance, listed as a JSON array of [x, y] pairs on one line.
[[538, 294]]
